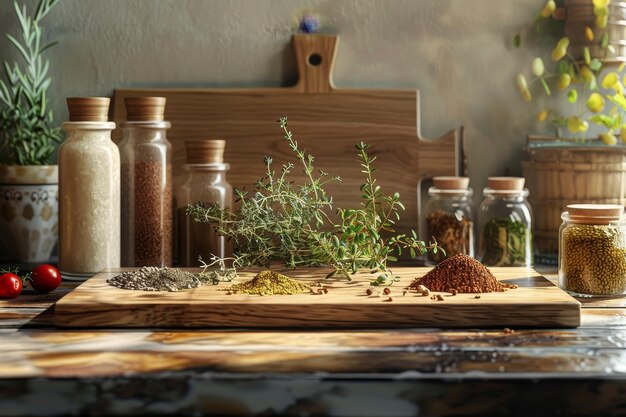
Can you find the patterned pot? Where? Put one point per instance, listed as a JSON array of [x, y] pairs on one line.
[[28, 212]]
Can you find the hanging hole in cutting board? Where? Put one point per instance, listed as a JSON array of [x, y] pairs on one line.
[[315, 59]]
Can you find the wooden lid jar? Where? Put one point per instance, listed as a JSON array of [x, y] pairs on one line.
[[597, 214], [448, 218], [208, 151], [145, 109], [505, 221], [592, 250], [88, 109]]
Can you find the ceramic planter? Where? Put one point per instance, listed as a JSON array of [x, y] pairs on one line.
[[28, 212]]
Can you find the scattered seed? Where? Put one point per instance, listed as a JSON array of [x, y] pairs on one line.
[[369, 291], [423, 290], [404, 292], [453, 292], [440, 298], [387, 291], [477, 296], [325, 290]]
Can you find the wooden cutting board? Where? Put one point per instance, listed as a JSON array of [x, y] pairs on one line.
[[536, 303], [325, 120]]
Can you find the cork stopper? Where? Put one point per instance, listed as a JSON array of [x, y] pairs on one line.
[[209, 151], [451, 183], [594, 213], [144, 109], [506, 183], [88, 109]]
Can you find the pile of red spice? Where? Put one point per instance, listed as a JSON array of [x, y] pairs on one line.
[[463, 274]]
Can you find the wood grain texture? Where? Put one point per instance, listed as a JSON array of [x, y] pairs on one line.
[[325, 120], [443, 372], [536, 302]]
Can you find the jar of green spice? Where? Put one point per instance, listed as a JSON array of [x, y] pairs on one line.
[[592, 250], [505, 222]]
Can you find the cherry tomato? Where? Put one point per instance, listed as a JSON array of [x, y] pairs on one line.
[[10, 285], [45, 278]]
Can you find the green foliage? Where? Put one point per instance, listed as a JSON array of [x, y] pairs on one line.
[[284, 222], [25, 116], [579, 77]]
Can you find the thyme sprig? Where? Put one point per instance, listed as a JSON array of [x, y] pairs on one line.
[[280, 221]]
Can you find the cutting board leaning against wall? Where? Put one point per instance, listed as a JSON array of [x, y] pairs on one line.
[[325, 120]]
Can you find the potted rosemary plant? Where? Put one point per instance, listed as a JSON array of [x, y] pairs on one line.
[[28, 183], [585, 160]]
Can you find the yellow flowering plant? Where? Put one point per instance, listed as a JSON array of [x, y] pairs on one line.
[[578, 77]]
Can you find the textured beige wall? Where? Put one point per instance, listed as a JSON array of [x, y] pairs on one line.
[[457, 52]]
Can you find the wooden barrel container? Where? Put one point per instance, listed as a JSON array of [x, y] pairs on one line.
[[560, 176], [579, 14]]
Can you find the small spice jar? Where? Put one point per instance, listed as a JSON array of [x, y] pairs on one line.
[[449, 218], [505, 222], [146, 178], [205, 183], [89, 191], [592, 250]]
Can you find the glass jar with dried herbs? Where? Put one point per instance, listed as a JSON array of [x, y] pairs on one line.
[[505, 222], [448, 218], [146, 182], [205, 184], [592, 250]]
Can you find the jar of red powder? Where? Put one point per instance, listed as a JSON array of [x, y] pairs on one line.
[[448, 218]]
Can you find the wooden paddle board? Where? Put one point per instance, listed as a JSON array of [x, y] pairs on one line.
[[325, 120], [535, 303]]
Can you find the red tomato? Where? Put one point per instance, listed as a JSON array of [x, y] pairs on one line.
[[10, 285], [45, 278]]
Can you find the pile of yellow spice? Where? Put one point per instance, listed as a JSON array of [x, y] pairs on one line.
[[270, 283]]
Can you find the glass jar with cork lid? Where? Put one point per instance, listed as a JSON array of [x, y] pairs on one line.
[[146, 179], [505, 222], [449, 218], [205, 183], [89, 191], [592, 250]]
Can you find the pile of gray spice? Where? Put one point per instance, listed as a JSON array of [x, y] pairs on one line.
[[150, 278], [463, 274]]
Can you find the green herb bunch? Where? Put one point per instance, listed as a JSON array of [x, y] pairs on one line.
[[281, 221], [25, 116]]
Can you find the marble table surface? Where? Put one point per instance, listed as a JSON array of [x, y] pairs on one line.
[[47, 371]]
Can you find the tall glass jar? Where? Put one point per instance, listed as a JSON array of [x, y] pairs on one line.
[[146, 176], [89, 191], [505, 222], [592, 250], [205, 183], [449, 218]]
